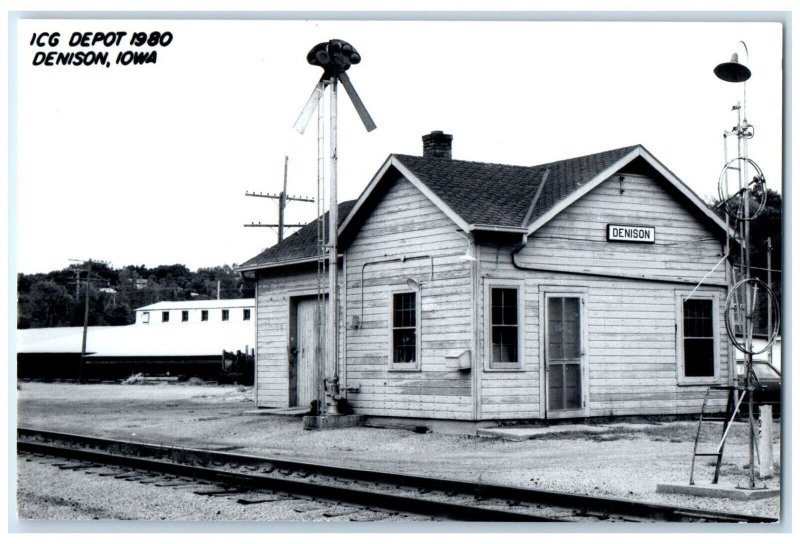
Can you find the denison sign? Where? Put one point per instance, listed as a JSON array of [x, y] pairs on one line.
[[631, 233]]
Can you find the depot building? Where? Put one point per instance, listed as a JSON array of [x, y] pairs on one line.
[[473, 292]]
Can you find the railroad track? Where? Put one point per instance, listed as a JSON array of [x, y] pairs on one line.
[[243, 475]]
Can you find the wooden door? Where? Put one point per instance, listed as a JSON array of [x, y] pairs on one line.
[[310, 350], [564, 354]]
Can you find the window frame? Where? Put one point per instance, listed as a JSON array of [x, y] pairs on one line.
[[145, 317], [226, 314], [203, 315], [184, 316], [246, 314], [680, 298], [415, 365], [165, 316], [488, 364]]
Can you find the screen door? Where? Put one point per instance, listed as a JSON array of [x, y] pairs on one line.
[[564, 353]]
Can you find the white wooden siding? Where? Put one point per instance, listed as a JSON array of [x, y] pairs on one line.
[[272, 366], [406, 224], [576, 239], [632, 359]]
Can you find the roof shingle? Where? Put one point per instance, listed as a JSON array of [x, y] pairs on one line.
[[300, 245], [499, 194], [478, 192]]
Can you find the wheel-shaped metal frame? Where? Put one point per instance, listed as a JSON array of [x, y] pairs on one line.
[[725, 196], [730, 317]]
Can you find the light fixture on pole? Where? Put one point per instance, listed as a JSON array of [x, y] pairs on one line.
[[744, 293], [734, 71]]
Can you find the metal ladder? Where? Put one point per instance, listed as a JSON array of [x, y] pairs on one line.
[[731, 413]]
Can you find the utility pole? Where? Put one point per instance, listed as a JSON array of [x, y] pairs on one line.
[[85, 319], [282, 199], [85, 313]]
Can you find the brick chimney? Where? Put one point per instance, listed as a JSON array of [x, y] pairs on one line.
[[437, 145]]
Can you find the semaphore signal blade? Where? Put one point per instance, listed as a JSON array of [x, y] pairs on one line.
[[369, 124], [310, 107]]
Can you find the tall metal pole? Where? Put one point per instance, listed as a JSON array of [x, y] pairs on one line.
[[748, 302], [333, 232], [769, 298], [282, 201], [85, 320]]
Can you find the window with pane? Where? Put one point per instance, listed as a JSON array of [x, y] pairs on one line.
[[204, 315], [226, 314], [246, 314], [505, 325], [404, 328], [184, 315], [164, 317], [563, 353], [698, 338]]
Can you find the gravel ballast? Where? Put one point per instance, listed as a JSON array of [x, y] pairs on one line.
[[624, 460]]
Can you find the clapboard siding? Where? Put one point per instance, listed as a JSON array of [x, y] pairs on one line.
[[631, 362], [406, 224], [631, 357], [576, 238], [275, 293]]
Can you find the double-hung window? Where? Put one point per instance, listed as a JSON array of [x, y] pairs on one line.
[[504, 324], [404, 342], [698, 339]]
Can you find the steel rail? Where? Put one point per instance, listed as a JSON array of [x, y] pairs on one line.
[[376, 499], [580, 506]]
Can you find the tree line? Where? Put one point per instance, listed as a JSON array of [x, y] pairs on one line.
[[58, 298]]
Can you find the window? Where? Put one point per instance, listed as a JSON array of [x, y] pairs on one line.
[[246, 314], [504, 320], [697, 340], [226, 315], [404, 350], [203, 315], [145, 317], [505, 333], [185, 315], [164, 317]]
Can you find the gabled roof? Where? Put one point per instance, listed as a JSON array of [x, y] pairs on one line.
[[297, 248], [498, 194], [484, 196]]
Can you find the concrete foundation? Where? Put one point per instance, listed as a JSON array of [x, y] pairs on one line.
[[320, 423], [720, 491]]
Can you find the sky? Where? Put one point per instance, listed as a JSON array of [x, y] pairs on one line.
[[150, 164]]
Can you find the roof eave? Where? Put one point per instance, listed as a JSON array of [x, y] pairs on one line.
[[277, 264], [497, 228], [576, 195], [394, 161], [637, 151]]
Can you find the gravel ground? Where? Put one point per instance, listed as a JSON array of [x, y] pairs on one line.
[[625, 461], [82, 496]]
